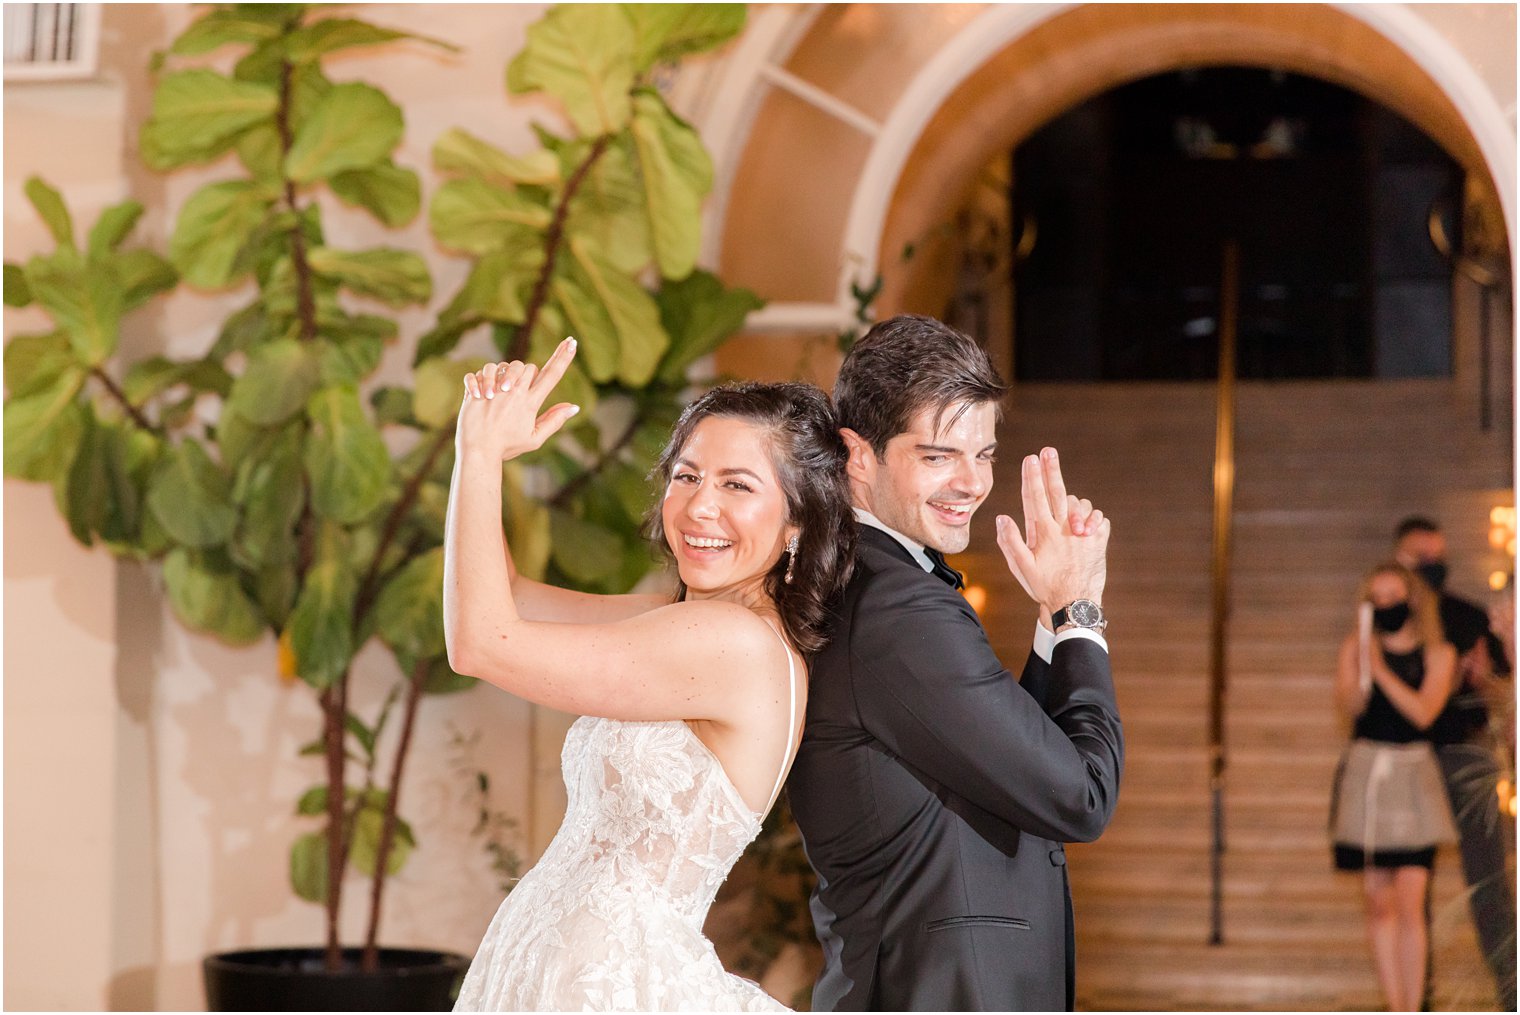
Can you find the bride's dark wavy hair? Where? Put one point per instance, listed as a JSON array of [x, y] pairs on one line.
[[809, 458]]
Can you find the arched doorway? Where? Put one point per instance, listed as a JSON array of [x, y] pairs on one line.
[[900, 112], [899, 108]]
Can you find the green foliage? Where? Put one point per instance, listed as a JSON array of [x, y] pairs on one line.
[[290, 517]]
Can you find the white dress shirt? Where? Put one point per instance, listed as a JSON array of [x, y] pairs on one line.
[[1045, 640]]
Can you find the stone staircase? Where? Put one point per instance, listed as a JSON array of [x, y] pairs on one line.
[[1324, 469]]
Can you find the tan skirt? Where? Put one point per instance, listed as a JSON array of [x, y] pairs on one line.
[[1390, 797]]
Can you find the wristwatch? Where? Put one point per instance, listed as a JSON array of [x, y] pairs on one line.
[[1082, 613]]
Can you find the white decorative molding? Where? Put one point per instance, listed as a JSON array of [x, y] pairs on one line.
[[51, 42]]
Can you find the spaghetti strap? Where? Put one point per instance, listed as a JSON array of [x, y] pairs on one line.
[[791, 720]]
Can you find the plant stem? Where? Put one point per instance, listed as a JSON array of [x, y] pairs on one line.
[[369, 588], [563, 494], [306, 304], [335, 698], [371, 959], [552, 240], [121, 397], [334, 710]]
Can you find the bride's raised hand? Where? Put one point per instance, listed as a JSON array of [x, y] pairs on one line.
[[501, 418]]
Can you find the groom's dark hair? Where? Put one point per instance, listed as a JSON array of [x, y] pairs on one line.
[[907, 364]]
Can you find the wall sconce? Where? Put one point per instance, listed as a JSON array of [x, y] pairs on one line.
[[976, 595]]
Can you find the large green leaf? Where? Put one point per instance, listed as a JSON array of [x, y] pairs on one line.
[[392, 406], [259, 150], [439, 389], [243, 330], [113, 226], [397, 277], [221, 27], [346, 461], [528, 524], [213, 227], [106, 480], [198, 114], [473, 216], [157, 374], [666, 32], [17, 292], [368, 825], [583, 55], [33, 362], [50, 206], [575, 387], [699, 313], [308, 866], [321, 625], [348, 360], [495, 289], [351, 127], [677, 174], [458, 151], [392, 194], [591, 324], [142, 274], [609, 208], [190, 496], [634, 315], [269, 490], [585, 551], [206, 596], [42, 427], [323, 37], [409, 612], [84, 297], [278, 380]]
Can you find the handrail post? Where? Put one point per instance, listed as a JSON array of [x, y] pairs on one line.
[[1224, 497]]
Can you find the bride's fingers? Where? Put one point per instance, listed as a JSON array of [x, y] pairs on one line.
[[511, 375], [554, 368], [489, 378], [471, 385], [551, 421]]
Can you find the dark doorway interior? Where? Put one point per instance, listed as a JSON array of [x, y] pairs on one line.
[[1122, 206]]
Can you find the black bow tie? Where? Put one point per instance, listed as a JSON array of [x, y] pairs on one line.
[[944, 572]]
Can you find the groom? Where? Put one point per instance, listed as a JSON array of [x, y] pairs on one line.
[[932, 789]]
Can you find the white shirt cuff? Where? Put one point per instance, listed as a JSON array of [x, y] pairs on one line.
[[1045, 641]]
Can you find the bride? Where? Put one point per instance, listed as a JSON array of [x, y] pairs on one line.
[[691, 710]]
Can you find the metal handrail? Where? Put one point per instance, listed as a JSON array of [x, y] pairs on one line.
[[1224, 500]]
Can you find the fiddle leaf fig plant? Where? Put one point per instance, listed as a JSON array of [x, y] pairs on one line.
[[283, 491]]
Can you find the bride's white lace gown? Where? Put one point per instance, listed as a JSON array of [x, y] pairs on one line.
[[611, 916]]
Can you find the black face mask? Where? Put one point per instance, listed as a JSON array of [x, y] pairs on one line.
[[1390, 618], [1433, 573]]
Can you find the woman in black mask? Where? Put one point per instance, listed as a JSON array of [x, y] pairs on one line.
[[1390, 812]]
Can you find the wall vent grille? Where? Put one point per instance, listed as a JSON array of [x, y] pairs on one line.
[[51, 42]]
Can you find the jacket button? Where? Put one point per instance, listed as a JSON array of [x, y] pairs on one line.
[[1058, 858]]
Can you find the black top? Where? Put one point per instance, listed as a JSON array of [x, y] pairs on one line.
[[1465, 713], [1380, 720]]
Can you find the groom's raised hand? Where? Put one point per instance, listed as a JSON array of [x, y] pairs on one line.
[[1062, 555]]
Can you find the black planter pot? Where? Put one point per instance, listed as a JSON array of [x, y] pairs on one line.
[[296, 979]]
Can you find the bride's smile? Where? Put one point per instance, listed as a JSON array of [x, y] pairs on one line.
[[724, 512]]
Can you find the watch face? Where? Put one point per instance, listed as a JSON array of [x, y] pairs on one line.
[[1084, 613]]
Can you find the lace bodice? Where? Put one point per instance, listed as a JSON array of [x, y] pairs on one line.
[[610, 918], [651, 803]]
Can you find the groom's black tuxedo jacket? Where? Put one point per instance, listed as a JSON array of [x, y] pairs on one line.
[[933, 792]]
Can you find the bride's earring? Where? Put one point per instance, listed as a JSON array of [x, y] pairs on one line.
[[791, 551]]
